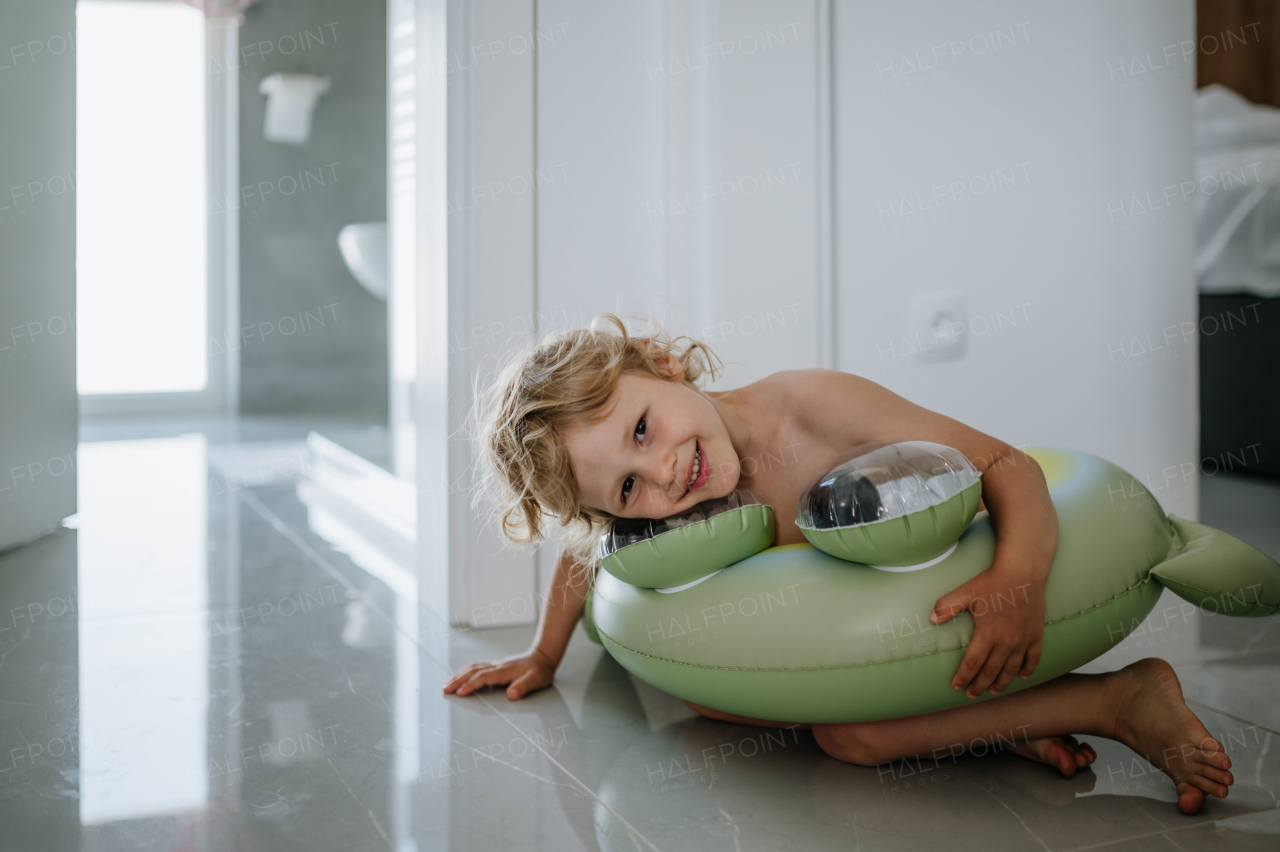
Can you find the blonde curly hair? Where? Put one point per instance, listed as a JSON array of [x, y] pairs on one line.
[[524, 472]]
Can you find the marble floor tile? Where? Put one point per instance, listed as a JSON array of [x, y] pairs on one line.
[[199, 663]]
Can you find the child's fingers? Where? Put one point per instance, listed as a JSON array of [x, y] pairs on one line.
[[974, 658], [990, 671], [462, 675], [466, 673], [488, 677], [950, 605], [1030, 662], [520, 687], [1011, 667]]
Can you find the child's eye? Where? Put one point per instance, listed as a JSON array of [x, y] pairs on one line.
[[626, 488], [640, 427]]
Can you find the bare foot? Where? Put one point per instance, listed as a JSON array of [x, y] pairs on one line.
[[1065, 753], [1153, 720]]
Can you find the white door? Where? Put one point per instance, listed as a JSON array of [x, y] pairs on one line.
[[988, 155]]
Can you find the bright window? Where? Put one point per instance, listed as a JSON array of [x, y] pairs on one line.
[[142, 302]]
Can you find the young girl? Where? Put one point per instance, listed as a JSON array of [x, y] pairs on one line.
[[596, 424]]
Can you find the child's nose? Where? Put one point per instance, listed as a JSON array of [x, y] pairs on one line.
[[666, 473], [674, 483]]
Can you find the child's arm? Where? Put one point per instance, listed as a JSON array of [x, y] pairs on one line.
[[536, 667], [847, 410], [1007, 600]]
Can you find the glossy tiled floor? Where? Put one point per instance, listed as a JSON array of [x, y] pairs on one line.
[[196, 668]]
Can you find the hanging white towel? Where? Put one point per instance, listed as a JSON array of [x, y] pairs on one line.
[[291, 98]]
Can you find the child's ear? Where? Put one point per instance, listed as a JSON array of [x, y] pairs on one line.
[[664, 360]]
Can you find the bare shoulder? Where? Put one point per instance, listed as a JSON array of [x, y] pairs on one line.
[[816, 394], [799, 385], [848, 410], [815, 402]]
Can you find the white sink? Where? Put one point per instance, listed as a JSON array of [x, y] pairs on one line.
[[364, 248]]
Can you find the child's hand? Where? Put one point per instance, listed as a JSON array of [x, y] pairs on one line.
[[1008, 628], [525, 672]]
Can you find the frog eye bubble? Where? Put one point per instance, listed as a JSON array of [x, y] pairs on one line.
[[898, 506], [674, 553]]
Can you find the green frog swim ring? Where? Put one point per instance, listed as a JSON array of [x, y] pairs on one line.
[[701, 606]]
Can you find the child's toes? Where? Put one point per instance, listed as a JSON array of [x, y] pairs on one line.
[[1082, 753], [1190, 798], [1219, 777], [1063, 758], [1209, 784]]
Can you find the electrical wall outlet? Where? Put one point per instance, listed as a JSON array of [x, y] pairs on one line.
[[939, 324]]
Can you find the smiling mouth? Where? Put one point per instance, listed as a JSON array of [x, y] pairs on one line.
[[697, 469]]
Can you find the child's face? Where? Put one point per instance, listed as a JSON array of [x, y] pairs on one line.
[[639, 461]]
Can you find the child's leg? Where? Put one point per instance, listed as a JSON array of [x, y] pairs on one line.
[[1063, 752], [1141, 706]]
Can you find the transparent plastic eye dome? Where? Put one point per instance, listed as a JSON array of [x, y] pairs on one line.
[[880, 482], [626, 531]]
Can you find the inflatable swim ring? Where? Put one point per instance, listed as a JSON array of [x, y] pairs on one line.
[[796, 634]]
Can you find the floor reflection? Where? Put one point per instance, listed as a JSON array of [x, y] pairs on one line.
[[229, 653], [39, 704], [144, 647], [236, 691]]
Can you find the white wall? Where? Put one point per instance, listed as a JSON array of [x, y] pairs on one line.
[[472, 261], [38, 415], [668, 161], [687, 138], [747, 172], [601, 136], [1063, 110], [687, 144]]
